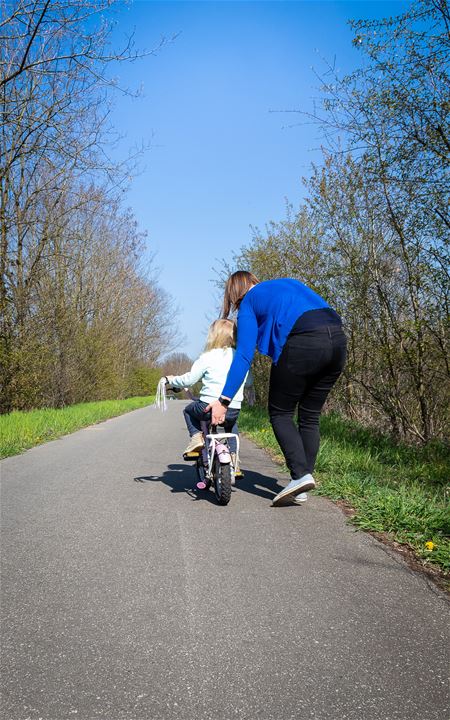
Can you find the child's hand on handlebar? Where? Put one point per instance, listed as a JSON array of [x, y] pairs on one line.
[[169, 386]]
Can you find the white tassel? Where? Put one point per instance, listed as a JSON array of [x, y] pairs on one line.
[[160, 399]]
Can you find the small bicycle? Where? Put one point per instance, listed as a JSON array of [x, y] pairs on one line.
[[214, 463]]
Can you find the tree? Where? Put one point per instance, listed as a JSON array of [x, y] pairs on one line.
[[373, 235], [177, 363], [76, 307], [393, 115]]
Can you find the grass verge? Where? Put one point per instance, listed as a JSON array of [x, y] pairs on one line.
[[20, 431], [397, 491]]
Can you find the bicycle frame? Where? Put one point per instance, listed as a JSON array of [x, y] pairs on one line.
[[217, 447], [213, 444], [215, 464]]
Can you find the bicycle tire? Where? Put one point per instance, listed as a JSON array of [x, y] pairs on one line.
[[222, 482]]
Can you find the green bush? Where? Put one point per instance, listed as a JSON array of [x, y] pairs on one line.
[[142, 381]]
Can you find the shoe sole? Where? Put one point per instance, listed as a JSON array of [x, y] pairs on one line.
[[192, 455], [286, 494], [299, 502]]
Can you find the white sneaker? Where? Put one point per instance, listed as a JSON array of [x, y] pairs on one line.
[[195, 444], [294, 488], [300, 498]]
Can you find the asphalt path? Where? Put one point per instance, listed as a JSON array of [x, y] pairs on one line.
[[125, 597]]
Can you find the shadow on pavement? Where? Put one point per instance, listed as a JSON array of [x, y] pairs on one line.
[[182, 479], [257, 484]]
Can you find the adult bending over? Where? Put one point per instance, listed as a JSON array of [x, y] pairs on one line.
[[304, 337]]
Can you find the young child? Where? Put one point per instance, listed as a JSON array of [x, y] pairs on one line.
[[211, 368]]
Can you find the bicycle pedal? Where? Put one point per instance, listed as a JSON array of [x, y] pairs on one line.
[[191, 456]]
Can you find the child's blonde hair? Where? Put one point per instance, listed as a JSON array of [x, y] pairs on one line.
[[221, 334]]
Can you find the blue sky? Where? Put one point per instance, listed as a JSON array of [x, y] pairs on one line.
[[221, 158]]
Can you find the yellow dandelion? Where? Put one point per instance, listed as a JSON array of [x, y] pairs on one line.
[[430, 545]]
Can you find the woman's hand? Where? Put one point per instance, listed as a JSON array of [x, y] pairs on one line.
[[218, 412]]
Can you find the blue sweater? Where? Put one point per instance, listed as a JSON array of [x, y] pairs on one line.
[[266, 316]]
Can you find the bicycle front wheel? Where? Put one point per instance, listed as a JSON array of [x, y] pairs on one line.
[[222, 482]]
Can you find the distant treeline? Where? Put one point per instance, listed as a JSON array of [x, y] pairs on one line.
[[373, 235], [81, 317]]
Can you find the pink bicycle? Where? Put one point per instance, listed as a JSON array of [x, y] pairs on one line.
[[214, 463]]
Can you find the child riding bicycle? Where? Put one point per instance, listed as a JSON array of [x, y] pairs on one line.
[[211, 368]]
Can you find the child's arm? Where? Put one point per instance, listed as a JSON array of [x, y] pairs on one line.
[[190, 378]]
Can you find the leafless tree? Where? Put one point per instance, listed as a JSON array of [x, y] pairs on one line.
[[177, 363], [61, 225]]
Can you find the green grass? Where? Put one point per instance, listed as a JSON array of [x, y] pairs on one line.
[[394, 489], [20, 431]]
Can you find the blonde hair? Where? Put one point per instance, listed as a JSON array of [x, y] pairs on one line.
[[221, 334], [238, 284]]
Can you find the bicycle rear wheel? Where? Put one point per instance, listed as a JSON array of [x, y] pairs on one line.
[[222, 482]]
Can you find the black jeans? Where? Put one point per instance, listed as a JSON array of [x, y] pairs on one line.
[[194, 414], [307, 369]]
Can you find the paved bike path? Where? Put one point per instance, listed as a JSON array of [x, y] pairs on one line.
[[126, 598]]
